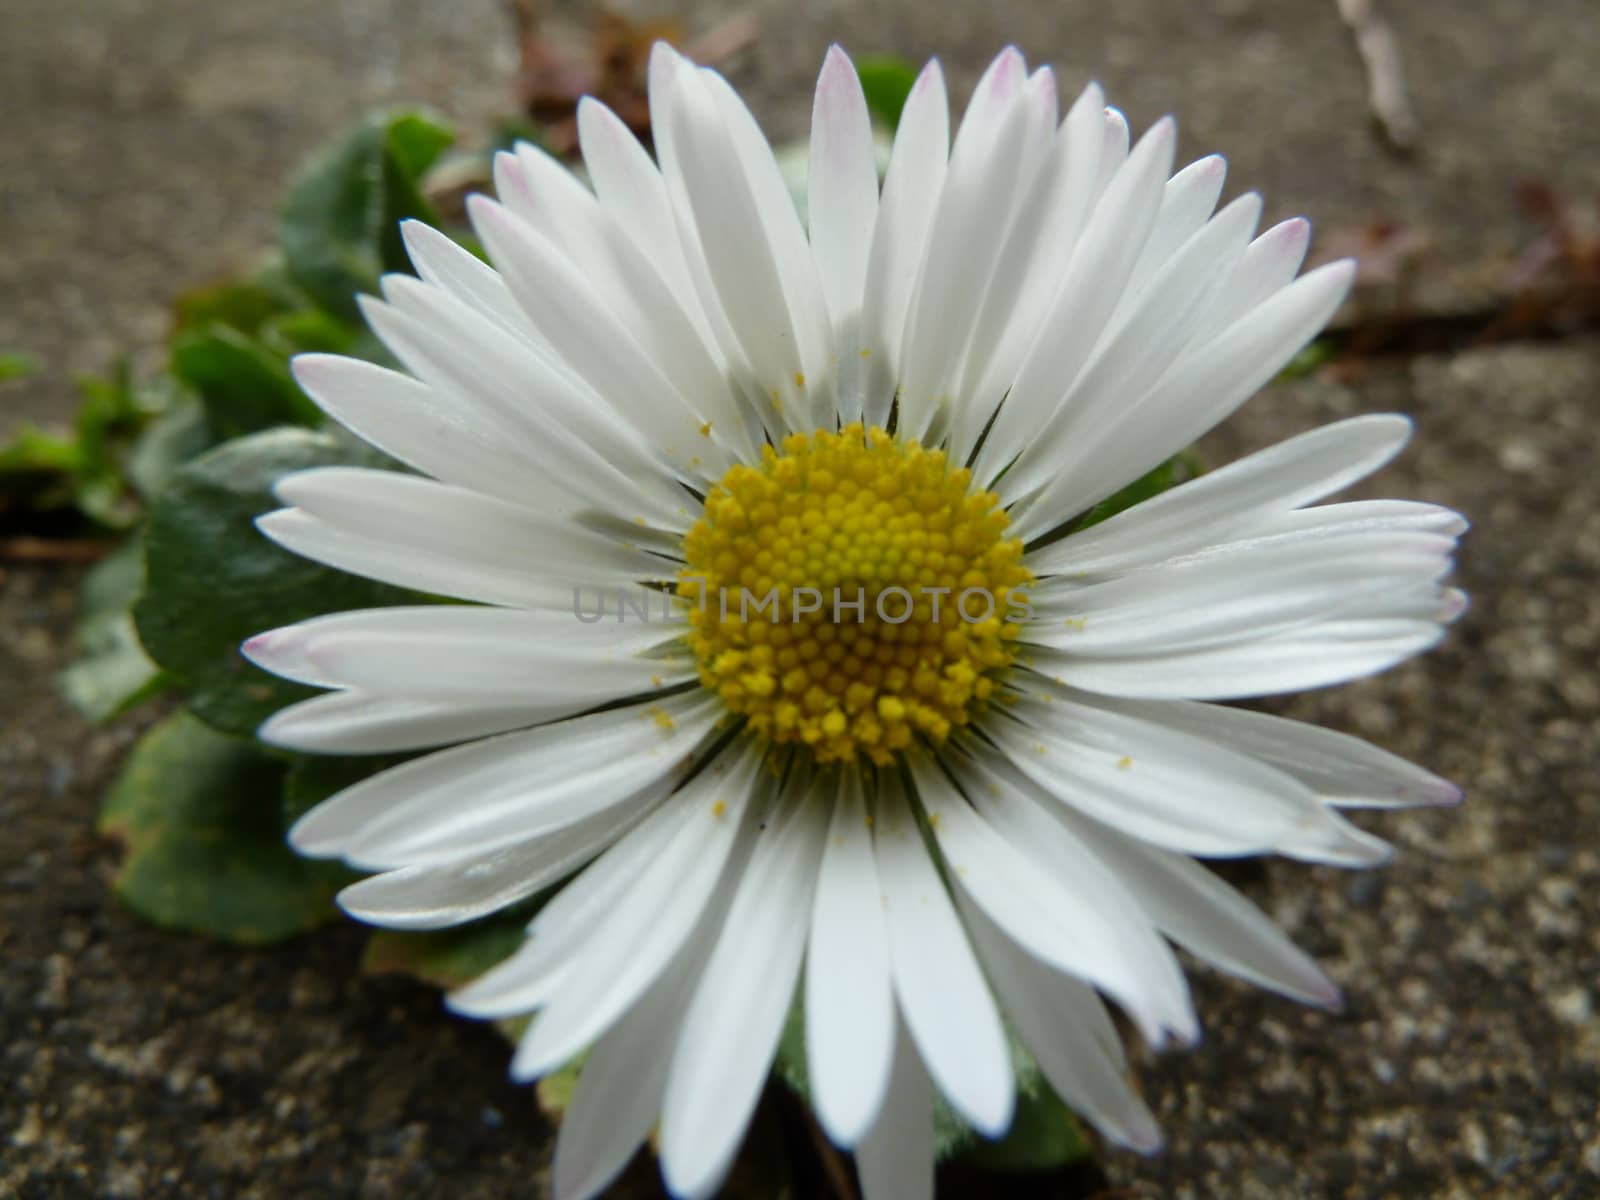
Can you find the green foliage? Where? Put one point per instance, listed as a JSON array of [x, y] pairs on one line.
[[228, 372], [112, 673], [199, 813], [313, 778], [887, 80], [172, 439], [1310, 360], [446, 958], [1178, 469], [243, 386], [1043, 1135], [340, 224], [84, 471], [554, 1092], [244, 305], [17, 364], [212, 580]]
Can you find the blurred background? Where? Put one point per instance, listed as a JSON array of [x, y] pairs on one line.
[[1453, 147]]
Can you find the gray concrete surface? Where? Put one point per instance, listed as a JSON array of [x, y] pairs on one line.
[[146, 145]]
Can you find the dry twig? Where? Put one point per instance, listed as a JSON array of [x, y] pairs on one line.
[[1386, 82]]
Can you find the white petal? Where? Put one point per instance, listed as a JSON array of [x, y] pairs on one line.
[[532, 184], [1162, 785], [1033, 261], [849, 1008], [1203, 914], [601, 351], [563, 930], [1100, 265], [1390, 528], [632, 191], [1052, 897], [1229, 500], [1341, 769], [1015, 229], [1292, 660], [478, 654], [667, 73], [941, 991], [630, 283], [444, 341], [641, 206], [1221, 599], [732, 1026], [842, 201], [1352, 517], [1199, 391], [417, 829], [450, 266], [842, 208], [353, 722], [543, 777], [895, 1159], [986, 170], [911, 190], [1066, 1029], [438, 432], [587, 455], [439, 895], [729, 216], [400, 565], [448, 541], [1113, 151], [796, 267], [1141, 341], [1267, 266], [639, 937], [1186, 203], [619, 1090]]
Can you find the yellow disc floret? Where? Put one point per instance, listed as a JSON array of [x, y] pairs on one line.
[[851, 592]]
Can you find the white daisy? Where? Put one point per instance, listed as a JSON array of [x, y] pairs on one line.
[[938, 833]]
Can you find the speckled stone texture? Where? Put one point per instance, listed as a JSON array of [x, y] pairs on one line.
[[148, 141], [147, 145]]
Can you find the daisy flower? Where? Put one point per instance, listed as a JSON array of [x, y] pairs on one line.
[[785, 642]]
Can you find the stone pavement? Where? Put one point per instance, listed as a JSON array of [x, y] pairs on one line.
[[152, 141]]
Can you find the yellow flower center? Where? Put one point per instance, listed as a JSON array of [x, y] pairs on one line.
[[851, 592]]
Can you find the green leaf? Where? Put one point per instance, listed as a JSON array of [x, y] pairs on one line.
[[887, 81], [1310, 360], [446, 958], [17, 364], [83, 469], [340, 224], [313, 778], [205, 852], [181, 433], [112, 672], [1178, 469], [308, 329], [950, 1134], [507, 130], [245, 387], [212, 580], [243, 305], [554, 1091], [34, 450], [1043, 1134], [415, 141]]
